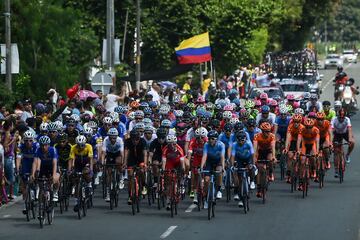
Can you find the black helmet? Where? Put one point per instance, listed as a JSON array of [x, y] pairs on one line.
[[326, 103], [238, 126], [251, 122], [62, 136], [340, 68], [161, 132], [228, 127], [134, 134], [241, 135], [213, 134]]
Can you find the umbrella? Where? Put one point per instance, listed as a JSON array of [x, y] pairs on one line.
[[84, 94], [167, 84]]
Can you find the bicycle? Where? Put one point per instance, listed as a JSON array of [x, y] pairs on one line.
[[199, 189], [321, 167], [174, 191], [135, 191], [228, 181], [64, 191], [45, 204], [305, 174], [283, 159], [210, 198], [294, 172], [264, 182], [29, 199], [160, 192], [114, 186], [84, 195], [243, 174], [340, 154], [150, 185]]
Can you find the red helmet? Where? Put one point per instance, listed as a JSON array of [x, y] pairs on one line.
[[200, 99], [263, 96], [265, 126], [297, 118], [273, 103], [320, 115], [309, 122], [257, 103], [290, 97]]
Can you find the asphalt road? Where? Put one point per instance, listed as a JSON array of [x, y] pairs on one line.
[[330, 213]]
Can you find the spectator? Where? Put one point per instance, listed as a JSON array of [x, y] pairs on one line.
[[27, 110], [187, 84], [154, 91], [112, 100]]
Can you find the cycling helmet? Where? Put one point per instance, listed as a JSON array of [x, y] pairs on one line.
[[139, 113], [257, 103], [171, 139], [265, 126], [92, 124], [119, 109], [277, 98], [44, 140], [244, 114], [337, 104], [161, 132], [236, 101], [149, 129], [134, 104], [289, 107], [144, 105], [229, 107], [147, 122], [297, 118], [241, 136], [80, 140], [263, 96], [187, 115], [114, 115], [296, 105], [147, 110], [222, 103], [181, 126], [63, 136], [228, 127], [265, 109], [306, 95], [215, 123], [112, 132], [200, 132], [139, 125], [299, 111], [239, 126], [309, 122], [200, 99], [227, 115], [234, 121], [251, 122], [213, 134], [210, 106], [52, 126], [107, 120], [218, 107], [165, 123], [320, 115], [153, 104], [273, 103], [75, 117], [283, 109], [44, 127], [312, 115], [314, 96], [249, 104], [59, 125], [88, 131], [290, 97], [326, 103], [29, 135], [131, 115]]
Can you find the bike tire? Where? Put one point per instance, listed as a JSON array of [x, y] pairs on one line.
[[210, 199], [84, 207], [41, 211], [33, 210], [341, 169], [28, 206], [50, 213], [112, 199]]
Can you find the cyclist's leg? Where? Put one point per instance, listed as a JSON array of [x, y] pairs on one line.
[[156, 172]]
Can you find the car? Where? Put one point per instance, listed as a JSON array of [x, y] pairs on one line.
[[333, 60], [271, 92], [294, 87], [312, 79], [349, 56]]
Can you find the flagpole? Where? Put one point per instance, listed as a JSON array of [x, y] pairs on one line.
[[212, 73], [201, 77]]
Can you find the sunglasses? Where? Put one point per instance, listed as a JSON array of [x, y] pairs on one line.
[[212, 138], [138, 118], [28, 140]]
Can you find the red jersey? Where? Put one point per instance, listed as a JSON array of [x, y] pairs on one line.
[[173, 157], [196, 149]]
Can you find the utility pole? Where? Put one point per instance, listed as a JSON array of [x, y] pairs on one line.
[[326, 39], [124, 39], [8, 45], [110, 34], [138, 39]]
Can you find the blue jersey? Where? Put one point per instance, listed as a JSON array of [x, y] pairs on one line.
[[242, 153], [253, 133], [214, 153], [233, 138], [225, 139], [123, 119], [46, 159], [102, 133], [282, 125], [27, 156], [121, 129]]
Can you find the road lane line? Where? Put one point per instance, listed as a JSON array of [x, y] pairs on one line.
[[168, 232], [330, 80], [6, 216], [191, 207]]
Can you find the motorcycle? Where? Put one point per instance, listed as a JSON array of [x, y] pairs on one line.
[[348, 99]]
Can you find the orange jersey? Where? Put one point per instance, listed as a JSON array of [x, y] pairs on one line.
[[310, 135], [264, 143], [324, 128], [294, 132]]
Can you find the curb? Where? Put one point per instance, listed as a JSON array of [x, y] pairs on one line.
[[18, 198]]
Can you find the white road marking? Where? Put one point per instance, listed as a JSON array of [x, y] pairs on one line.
[[331, 80], [168, 232], [191, 207], [6, 216]]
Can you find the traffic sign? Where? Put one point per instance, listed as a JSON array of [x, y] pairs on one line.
[[102, 81]]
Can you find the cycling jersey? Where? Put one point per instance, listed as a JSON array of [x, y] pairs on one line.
[[149, 141], [243, 154], [324, 129], [27, 157], [214, 153], [63, 155], [81, 156], [340, 127], [181, 140], [294, 131], [173, 157], [309, 136], [253, 133], [271, 118], [264, 143], [135, 151], [282, 124], [156, 148], [330, 115], [46, 159], [108, 147], [225, 139], [196, 148]]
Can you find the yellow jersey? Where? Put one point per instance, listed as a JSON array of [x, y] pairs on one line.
[[77, 152]]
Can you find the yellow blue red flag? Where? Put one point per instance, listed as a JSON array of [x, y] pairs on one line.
[[194, 50]]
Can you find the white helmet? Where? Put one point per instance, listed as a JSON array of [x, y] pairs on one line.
[[107, 120], [171, 139], [81, 139], [114, 115], [147, 122], [88, 131], [234, 120], [75, 117], [139, 125], [283, 109], [227, 115], [166, 123], [337, 104], [299, 111], [113, 132], [59, 125], [44, 126], [139, 113], [201, 132], [29, 135]]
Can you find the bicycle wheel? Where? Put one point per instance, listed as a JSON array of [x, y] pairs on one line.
[[341, 168], [263, 183], [50, 212], [210, 199], [79, 200], [282, 166], [228, 186], [133, 195], [28, 204], [84, 207], [42, 211]]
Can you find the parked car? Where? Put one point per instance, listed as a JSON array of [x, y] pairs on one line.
[[333, 60], [349, 56]]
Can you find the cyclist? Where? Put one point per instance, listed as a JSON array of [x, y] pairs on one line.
[[213, 159], [265, 115], [293, 131], [281, 125], [325, 142], [252, 129], [135, 154], [155, 153], [53, 133], [172, 158], [71, 131], [107, 124], [308, 143], [81, 161], [341, 128], [113, 147], [45, 162], [242, 153], [25, 159], [63, 149], [195, 154], [264, 148], [329, 113], [314, 104]]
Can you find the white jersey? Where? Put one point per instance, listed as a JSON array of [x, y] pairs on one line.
[[270, 118], [340, 127], [113, 148]]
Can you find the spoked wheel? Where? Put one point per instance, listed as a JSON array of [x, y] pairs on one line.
[[293, 183], [84, 207], [112, 199], [210, 200], [33, 209], [341, 170], [42, 212], [28, 206], [50, 213], [159, 200]]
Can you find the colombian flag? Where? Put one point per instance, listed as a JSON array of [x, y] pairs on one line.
[[194, 50]]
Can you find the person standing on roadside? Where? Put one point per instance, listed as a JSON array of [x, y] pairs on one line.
[[112, 100]]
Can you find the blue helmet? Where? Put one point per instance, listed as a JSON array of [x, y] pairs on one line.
[[265, 109]]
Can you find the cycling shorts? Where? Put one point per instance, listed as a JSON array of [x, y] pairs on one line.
[[338, 137], [263, 153], [211, 167], [111, 157], [293, 146]]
